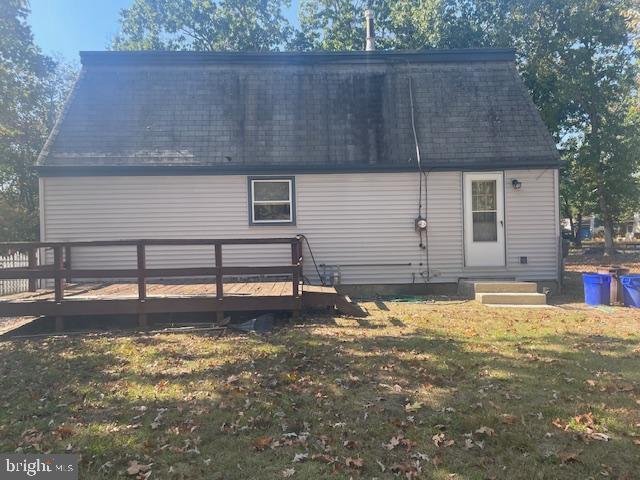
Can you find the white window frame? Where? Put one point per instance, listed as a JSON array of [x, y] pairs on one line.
[[253, 202]]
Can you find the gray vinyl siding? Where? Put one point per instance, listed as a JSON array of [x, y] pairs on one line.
[[350, 219]]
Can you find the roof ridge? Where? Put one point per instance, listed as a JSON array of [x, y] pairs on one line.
[[139, 57]]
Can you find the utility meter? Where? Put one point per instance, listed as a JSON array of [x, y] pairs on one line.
[[421, 223]]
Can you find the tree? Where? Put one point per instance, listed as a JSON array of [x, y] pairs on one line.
[[595, 71], [32, 87], [205, 25]]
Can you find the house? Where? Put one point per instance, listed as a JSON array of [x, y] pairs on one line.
[[402, 169]]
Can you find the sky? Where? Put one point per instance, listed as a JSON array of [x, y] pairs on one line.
[[65, 27]]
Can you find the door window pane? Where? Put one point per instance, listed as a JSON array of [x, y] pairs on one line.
[[483, 195], [485, 227], [484, 210]]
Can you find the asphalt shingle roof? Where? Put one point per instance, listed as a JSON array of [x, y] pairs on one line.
[[295, 111]]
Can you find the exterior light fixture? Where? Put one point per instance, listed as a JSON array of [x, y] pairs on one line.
[[516, 184]]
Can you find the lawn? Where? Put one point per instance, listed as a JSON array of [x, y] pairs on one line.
[[442, 389]]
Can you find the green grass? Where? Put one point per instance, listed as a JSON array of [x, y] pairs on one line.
[[538, 385]]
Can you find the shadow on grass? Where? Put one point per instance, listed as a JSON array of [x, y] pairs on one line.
[[347, 387]]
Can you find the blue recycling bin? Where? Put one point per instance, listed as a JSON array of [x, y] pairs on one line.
[[597, 288], [631, 290]]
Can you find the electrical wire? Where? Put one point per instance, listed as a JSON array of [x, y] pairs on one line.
[[422, 174], [426, 232], [313, 259], [413, 120]]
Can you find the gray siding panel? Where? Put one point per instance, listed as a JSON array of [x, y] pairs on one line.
[[350, 219]]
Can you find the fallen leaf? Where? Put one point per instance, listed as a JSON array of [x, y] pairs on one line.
[[406, 469], [321, 457], [508, 419], [568, 457], [356, 463], [413, 407], [489, 432], [288, 472], [300, 457], [602, 437], [262, 443], [350, 444], [393, 443], [63, 431], [136, 468]]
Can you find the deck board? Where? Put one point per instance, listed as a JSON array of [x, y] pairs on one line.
[[165, 290]]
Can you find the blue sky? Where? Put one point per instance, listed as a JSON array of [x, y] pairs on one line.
[[64, 27]]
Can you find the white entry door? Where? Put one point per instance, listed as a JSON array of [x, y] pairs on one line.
[[484, 219]]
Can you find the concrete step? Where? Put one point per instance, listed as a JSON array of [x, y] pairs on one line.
[[502, 298], [506, 287]]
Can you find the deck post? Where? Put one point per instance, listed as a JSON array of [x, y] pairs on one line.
[[142, 283], [295, 260], [33, 264], [58, 270], [59, 323], [219, 279], [67, 261]]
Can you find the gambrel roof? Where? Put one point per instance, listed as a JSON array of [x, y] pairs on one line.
[[150, 112]]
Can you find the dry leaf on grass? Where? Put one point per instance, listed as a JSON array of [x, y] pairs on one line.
[[413, 407], [439, 440], [393, 443], [569, 457], [355, 463], [136, 468], [288, 472], [408, 470], [509, 419], [321, 457], [63, 431], [262, 443]]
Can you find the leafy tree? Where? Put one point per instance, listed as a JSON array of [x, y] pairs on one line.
[[205, 25], [338, 25], [31, 90]]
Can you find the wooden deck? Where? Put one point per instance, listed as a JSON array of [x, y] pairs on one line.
[[123, 291], [163, 290]]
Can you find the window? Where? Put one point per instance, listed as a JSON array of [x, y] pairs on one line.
[[483, 207], [272, 200]]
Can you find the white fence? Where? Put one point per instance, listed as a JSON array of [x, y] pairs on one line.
[[7, 287]]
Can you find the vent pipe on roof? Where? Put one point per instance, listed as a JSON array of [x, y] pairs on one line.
[[371, 34]]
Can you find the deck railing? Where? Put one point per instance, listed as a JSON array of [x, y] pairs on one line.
[[62, 268], [10, 261]]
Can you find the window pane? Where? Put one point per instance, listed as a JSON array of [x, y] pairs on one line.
[[483, 195], [270, 191], [485, 227], [272, 212]]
